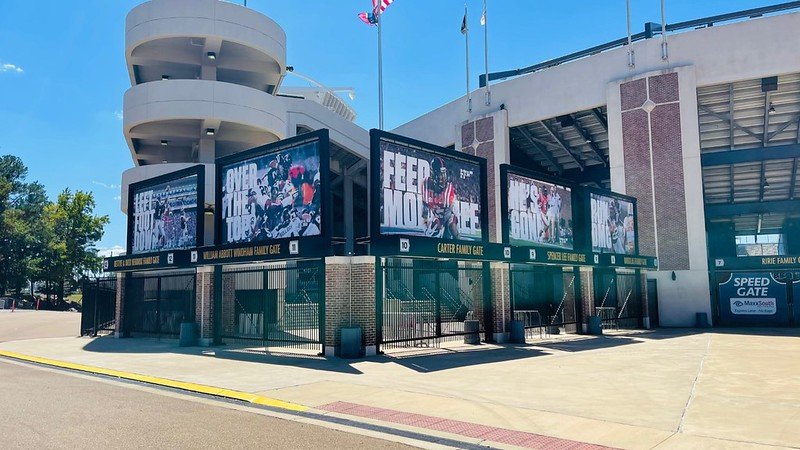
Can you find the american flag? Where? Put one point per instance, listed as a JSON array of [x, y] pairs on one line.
[[378, 7]]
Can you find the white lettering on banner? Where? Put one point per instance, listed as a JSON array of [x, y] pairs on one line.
[[143, 222], [408, 207], [754, 306], [238, 217]]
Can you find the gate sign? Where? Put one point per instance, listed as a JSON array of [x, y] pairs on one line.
[[753, 297]]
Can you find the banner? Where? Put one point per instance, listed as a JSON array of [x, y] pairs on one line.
[[613, 224], [163, 215], [539, 213], [428, 193], [272, 196], [753, 298]]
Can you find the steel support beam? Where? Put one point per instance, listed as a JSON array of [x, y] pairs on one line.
[[725, 210], [793, 179], [750, 155], [763, 180], [767, 97], [542, 151], [563, 144], [731, 109], [598, 113], [725, 117], [588, 138]]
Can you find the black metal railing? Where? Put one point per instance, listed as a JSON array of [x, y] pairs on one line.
[[651, 29], [156, 305], [98, 306], [425, 303], [544, 299], [277, 306]]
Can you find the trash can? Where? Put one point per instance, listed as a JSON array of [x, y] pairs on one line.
[[472, 330], [188, 336], [517, 332], [595, 325], [350, 346]]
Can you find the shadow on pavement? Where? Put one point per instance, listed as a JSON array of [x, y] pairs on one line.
[[140, 345]]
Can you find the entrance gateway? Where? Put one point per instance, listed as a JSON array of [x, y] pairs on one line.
[[271, 277]]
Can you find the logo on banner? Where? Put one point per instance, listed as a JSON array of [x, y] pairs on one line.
[[754, 306], [507, 252], [294, 247], [532, 254], [193, 256], [170, 258]]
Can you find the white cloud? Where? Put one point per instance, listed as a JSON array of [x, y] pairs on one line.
[[119, 197], [106, 185], [118, 115], [10, 68], [110, 251]]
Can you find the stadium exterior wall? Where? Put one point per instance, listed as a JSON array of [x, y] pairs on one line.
[[722, 54]]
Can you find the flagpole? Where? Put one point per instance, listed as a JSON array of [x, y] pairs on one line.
[[466, 44], [380, 70], [486, 53]]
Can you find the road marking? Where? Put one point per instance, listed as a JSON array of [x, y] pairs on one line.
[[182, 385]]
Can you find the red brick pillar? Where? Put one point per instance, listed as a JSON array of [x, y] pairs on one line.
[[204, 304], [350, 300], [120, 305], [501, 301], [585, 299], [654, 153]]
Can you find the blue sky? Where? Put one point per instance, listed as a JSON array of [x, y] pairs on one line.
[[63, 73]]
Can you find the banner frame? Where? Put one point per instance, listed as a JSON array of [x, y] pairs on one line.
[[375, 183], [198, 170], [322, 136], [587, 192]]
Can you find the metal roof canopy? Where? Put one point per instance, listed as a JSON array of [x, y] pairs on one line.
[[573, 146], [750, 145]]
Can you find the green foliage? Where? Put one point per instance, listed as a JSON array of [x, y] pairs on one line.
[[42, 240]]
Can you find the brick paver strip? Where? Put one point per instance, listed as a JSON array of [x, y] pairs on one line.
[[467, 429]]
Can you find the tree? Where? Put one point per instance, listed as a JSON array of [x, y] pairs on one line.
[[71, 230], [21, 208]]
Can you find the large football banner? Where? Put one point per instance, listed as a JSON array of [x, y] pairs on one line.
[[426, 193], [272, 196], [164, 215]]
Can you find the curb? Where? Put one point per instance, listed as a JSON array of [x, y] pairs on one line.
[[182, 385]]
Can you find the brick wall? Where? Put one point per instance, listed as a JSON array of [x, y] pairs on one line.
[[586, 300], [204, 303], [120, 304], [477, 138], [338, 298], [501, 297], [651, 128]]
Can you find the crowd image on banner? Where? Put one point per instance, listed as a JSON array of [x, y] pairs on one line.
[[165, 216], [539, 213], [272, 196], [613, 225], [426, 194]]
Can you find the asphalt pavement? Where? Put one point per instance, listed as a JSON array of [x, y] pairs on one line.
[[49, 408]]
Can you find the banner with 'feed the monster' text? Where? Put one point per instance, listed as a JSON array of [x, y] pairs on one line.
[[424, 193]]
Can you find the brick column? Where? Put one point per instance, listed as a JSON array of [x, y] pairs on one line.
[[654, 152], [228, 310], [487, 136], [350, 300], [204, 304], [585, 299], [500, 288], [120, 304]]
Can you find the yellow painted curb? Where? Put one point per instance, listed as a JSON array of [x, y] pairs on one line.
[[199, 388]]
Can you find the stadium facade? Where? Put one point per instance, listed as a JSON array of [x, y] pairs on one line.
[[601, 189]]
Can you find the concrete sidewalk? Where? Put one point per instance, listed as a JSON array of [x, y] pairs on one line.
[[665, 389]]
